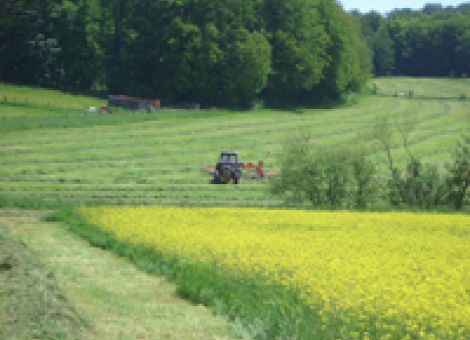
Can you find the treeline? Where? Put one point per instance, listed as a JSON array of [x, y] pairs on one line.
[[224, 53], [434, 41]]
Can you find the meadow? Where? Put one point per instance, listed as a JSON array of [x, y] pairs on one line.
[[425, 88], [358, 275], [53, 152]]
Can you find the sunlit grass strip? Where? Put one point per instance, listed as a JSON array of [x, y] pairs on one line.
[[397, 274]]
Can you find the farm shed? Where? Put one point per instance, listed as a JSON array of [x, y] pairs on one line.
[[132, 103]]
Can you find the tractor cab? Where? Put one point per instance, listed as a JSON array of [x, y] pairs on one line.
[[228, 157]]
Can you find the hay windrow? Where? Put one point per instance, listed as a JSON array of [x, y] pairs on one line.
[[32, 306]]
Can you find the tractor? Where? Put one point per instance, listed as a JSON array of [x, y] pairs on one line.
[[229, 168]]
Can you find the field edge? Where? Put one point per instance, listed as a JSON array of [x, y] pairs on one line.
[[254, 310]]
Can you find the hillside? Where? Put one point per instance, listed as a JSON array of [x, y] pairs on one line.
[[53, 152]]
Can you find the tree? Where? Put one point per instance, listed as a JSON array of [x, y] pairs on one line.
[[30, 49], [300, 49], [458, 179], [77, 58], [248, 64], [224, 53], [384, 52], [463, 51], [350, 64], [317, 52]]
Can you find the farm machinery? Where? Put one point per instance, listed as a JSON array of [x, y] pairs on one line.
[[229, 168]]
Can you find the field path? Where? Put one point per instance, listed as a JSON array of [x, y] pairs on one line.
[[119, 301]]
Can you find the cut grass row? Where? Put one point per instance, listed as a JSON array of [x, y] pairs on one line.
[[32, 304]]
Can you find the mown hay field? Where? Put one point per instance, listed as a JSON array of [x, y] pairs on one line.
[[363, 275], [424, 87], [53, 152]]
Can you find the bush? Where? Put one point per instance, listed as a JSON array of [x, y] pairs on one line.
[[335, 178], [345, 178], [424, 187], [458, 176], [363, 172], [418, 186]]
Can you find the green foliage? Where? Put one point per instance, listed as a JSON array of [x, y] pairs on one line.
[[225, 53], [300, 44], [364, 171], [345, 178], [46, 44], [458, 178], [248, 67], [384, 53], [428, 42], [333, 178], [419, 185], [318, 52]]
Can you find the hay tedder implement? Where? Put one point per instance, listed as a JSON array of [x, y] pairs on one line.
[[229, 169]]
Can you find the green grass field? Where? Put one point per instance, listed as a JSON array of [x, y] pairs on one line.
[[53, 152], [424, 87]]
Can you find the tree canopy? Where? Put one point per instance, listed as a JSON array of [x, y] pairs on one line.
[[224, 53], [434, 41]]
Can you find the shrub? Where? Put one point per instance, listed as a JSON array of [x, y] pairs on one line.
[[421, 185], [363, 172], [345, 178], [458, 176], [334, 178]]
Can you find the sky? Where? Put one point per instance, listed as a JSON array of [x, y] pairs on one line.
[[387, 6]]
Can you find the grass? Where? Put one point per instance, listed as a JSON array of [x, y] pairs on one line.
[[54, 155], [424, 87], [43, 97], [32, 305], [117, 300]]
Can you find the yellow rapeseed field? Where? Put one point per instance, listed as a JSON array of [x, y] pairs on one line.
[[407, 273]]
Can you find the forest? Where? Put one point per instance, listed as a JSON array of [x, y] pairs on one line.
[[434, 41], [227, 53], [222, 53]]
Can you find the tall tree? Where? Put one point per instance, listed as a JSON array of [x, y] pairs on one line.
[[384, 52], [300, 46]]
